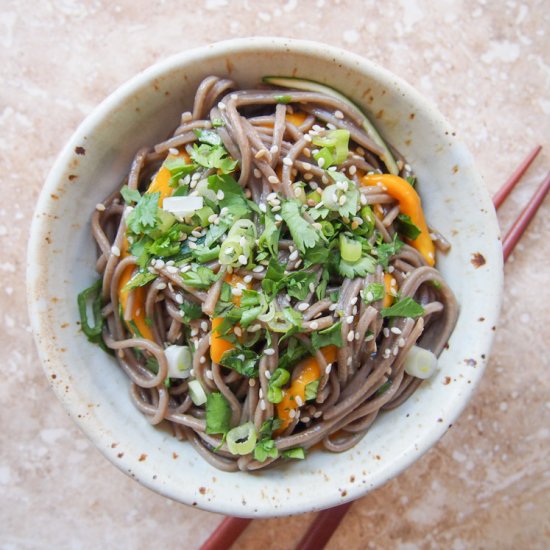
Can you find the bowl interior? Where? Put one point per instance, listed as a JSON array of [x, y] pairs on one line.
[[62, 257]]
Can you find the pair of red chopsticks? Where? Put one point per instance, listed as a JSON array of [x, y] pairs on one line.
[[327, 521]]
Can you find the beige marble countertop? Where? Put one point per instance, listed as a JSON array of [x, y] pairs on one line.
[[486, 65]]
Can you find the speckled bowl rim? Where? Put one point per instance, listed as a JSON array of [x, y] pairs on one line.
[[53, 361]]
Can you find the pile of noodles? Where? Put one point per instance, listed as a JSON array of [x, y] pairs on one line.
[[256, 132]]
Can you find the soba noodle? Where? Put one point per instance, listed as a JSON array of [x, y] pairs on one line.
[[289, 301]]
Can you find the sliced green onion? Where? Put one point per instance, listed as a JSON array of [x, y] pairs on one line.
[[202, 215], [203, 190], [336, 141], [179, 361], [91, 294], [367, 215], [350, 250], [420, 363], [242, 439], [314, 196], [327, 228], [330, 197], [197, 393], [278, 379], [243, 228]]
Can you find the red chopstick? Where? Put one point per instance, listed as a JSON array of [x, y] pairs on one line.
[[227, 532], [504, 191], [327, 521], [520, 225]]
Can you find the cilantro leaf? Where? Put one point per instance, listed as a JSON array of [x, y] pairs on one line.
[[360, 268], [130, 195], [411, 180], [233, 195], [199, 277], [311, 390], [296, 452], [302, 232], [386, 250], [327, 337], [295, 351], [209, 137], [373, 292], [178, 168], [406, 227], [144, 215], [191, 311], [218, 414], [321, 289], [141, 278], [406, 307], [244, 361], [269, 239], [265, 449], [213, 156]]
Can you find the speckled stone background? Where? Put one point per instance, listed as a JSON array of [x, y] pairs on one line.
[[486, 66]]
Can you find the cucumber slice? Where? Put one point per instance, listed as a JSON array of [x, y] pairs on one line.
[[312, 86]]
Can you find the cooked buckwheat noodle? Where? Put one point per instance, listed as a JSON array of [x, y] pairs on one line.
[[272, 153]]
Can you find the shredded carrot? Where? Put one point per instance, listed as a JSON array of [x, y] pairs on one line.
[[409, 204], [218, 344], [389, 284], [306, 372], [160, 184]]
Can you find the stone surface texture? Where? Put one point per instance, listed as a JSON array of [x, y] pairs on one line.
[[486, 65]]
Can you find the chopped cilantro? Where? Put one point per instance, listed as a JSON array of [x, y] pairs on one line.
[[269, 239], [327, 337], [141, 278], [244, 361], [360, 268], [265, 448], [213, 156], [406, 307], [411, 180], [303, 233], [278, 379], [406, 227], [209, 137], [218, 414], [144, 216], [373, 292], [386, 250], [191, 311], [199, 277], [297, 452], [130, 195], [178, 168], [311, 390]]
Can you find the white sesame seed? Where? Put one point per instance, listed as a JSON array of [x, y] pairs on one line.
[[352, 170], [351, 336], [395, 330], [236, 292], [307, 138], [263, 207], [260, 393], [179, 297], [369, 338], [311, 287], [288, 161], [209, 374], [192, 245], [204, 326], [274, 149], [401, 342], [303, 306], [278, 218], [221, 106], [357, 336], [298, 400], [162, 286], [202, 360], [263, 406], [247, 279], [220, 195], [294, 256], [332, 307], [318, 414], [328, 368], [370, 296], [354, 300], [305, 419], [194, 331], [386, 332], [172, 269], [314, 325], [251, 382], [292, 413], [268, 374], [238, 331], [258, 269], [224, 211], [349, 319], [363, 200], [115, 250], [257, 173], [269, 351], [395, 350], [342, 200], [320, 162], [243, 259], [273, 179], [354, 310], [100, 207], [391, 269]]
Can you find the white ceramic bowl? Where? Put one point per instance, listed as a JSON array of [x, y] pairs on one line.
[[61, 261]]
